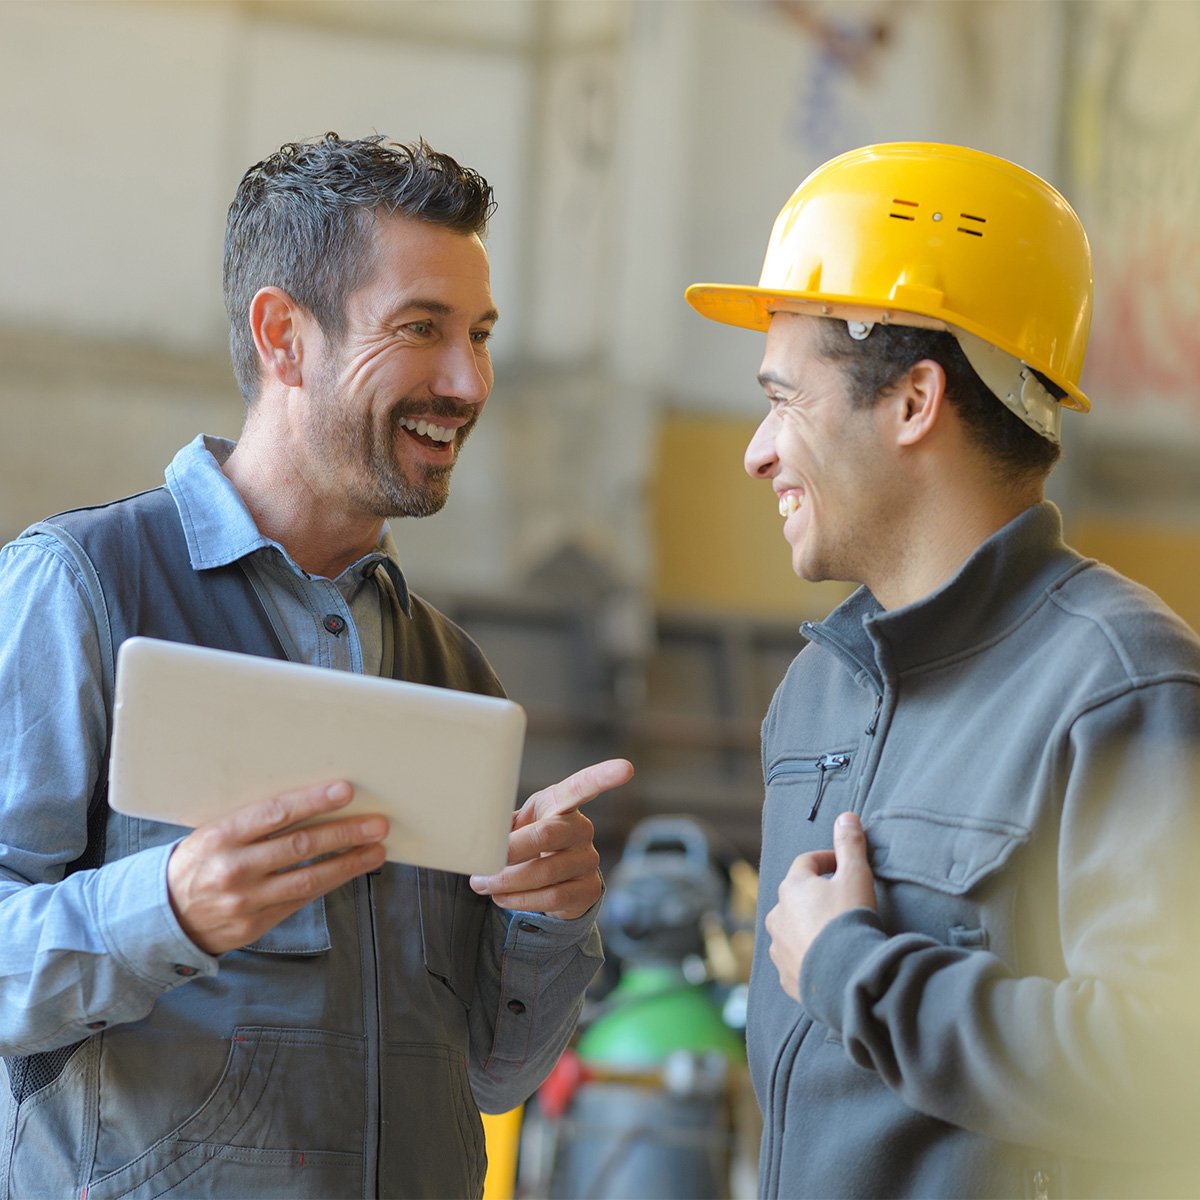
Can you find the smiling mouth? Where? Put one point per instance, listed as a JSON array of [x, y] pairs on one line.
[[789, 504], [428, 433]]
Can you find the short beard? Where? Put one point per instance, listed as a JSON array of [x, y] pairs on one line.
[[397, 496], [393, 495], [377, 482]]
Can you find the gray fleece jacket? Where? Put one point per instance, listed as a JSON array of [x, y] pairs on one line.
[[1019, 1017]]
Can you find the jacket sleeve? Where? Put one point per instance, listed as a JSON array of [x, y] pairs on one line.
[[533, 971], [1101, 1061], [95, 947]]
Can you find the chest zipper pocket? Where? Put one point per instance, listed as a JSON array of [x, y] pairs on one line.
[[821, 767]]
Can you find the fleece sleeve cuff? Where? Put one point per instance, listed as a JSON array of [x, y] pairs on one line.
[[837, 955]]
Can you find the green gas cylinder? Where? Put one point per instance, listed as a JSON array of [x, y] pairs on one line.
[[653, 1114], [651, 1013], [653, 1081]]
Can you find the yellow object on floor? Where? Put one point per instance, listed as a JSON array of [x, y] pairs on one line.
[[502, 1133]]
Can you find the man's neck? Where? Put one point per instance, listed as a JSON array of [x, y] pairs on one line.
[[952, 526], [322, 538]]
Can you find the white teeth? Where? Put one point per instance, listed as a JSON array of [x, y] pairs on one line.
[[788, 504], [439, 433]]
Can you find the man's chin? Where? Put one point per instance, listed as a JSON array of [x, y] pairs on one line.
[[418, 502], [418, 511], [402, 497]]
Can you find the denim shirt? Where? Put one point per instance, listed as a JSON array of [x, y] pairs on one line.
[[97, 948]]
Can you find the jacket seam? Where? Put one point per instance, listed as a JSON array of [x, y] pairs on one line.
[[1116, 644]]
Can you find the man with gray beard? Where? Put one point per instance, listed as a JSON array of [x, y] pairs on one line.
[[250, 1009]]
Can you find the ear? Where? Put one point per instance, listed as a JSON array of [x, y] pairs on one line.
[[275, 323], [918, 402]]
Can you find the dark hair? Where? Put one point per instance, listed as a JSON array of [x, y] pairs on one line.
[[877, 363], [302, 220]]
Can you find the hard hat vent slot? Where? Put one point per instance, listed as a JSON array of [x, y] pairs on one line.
[[907, 204], [969, 217]]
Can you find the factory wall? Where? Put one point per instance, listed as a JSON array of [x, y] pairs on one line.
[[635, 146]]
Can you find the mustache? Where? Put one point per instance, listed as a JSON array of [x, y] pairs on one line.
[[436, 406]]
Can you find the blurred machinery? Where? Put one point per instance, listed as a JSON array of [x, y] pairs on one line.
[[653, 1100]]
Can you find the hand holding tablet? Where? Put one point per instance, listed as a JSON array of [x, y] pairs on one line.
[[200, 733], [277, 764], [234, 878]]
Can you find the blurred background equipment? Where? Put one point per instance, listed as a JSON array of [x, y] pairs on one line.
[[653, 1100]]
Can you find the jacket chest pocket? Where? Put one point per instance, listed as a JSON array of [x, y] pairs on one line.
[[942, 873], [802, 781], [950, 853]]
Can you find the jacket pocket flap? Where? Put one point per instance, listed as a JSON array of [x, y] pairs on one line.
[[948, 852]]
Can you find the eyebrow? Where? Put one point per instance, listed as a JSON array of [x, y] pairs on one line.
[[441, 309], [765, 377]]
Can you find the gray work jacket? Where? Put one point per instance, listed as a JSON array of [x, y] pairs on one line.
[[1019, 1016]]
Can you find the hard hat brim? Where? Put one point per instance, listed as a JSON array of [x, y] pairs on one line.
[[752, 308]]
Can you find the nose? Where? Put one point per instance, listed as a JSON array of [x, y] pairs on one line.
[[465, 373], [761, 461]]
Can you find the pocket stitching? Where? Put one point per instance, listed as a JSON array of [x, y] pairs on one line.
[[1004, 837]]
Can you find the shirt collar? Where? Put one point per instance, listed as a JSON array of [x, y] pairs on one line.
[[995, 589], [218, 525]]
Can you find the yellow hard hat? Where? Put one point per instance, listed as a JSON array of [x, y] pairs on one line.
[[915, 233]]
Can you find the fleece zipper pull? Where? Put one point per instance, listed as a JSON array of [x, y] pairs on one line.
[[825, 764], [870, 729]]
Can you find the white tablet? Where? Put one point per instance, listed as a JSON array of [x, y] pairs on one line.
[[200, 732]]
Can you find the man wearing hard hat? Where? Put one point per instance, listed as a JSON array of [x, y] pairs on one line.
[[979, 941]]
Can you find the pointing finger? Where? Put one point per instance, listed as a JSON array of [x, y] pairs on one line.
[[575, 791]]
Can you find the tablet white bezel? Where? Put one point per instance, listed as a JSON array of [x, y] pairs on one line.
[[199, 732]]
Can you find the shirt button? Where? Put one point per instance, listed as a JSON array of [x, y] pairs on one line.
[[529, 927], [334, 624], [97, 1024], [184, 970], [515, 1006]]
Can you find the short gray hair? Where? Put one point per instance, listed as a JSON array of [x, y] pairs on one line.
[[302, 220]]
